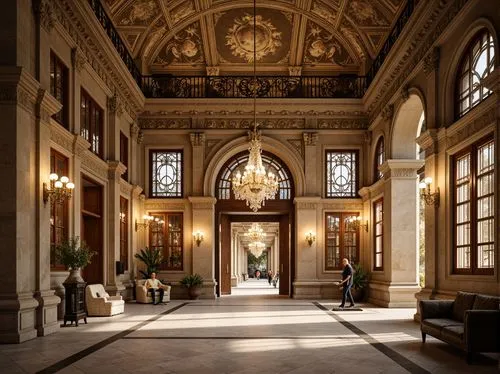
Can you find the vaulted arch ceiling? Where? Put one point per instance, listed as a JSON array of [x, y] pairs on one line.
[[292, 36]]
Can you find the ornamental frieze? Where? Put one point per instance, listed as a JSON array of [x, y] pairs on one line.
[[210, 145], [342, 206], [93, 166], [470, 128], [164, 206], [343, 123], [164, 123]]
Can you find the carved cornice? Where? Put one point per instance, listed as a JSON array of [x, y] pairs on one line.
[[46, 105], [310, 139], [343, 206], [307, 203], [136, 191], [78, 59], [94, 165], [202, 202], [164, 205], [164, 123], [80, 145], [197, 139], [115, 106], [45, 11], [126, 188], [343, 123], [295, 71], [388, 112], [213, 71], [431, 61], [134, 129], [62, 137], [18, 87], [421, 43], [459, 133], [115, 169], [400, 168], [428, 141], [245, 123]]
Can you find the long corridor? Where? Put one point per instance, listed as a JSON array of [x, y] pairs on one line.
[[242, 334]]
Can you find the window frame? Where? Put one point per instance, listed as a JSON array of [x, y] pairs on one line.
[[54, 156], [473, 221], [356, 153], [124, 221], [55, 64], [88, 122], [180, 194], [124, 154], [342, 230], [166, 249], [375, 236], [379, 159], [467, 57]]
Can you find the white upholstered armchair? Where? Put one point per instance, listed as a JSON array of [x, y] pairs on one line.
[[142, 295], [99, 303]]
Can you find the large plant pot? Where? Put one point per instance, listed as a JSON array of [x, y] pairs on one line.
[[194, 293], [75, 276], [358, 294]]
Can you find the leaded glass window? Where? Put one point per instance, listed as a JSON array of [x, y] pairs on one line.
[[166, 173], [168, 238], [224, 190], [342, 240], [91, 123], [341, 174], [379, 158], [59, 88], [474, 223], [59, 164], [477, 63]]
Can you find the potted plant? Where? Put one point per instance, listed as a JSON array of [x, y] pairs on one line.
[[152, 258], [193, 283], [74, 256], [359, 282]]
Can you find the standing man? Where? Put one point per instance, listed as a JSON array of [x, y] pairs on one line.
[[346, 283], [269, 276], [154, 284]]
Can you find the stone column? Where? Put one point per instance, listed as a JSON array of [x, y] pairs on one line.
[[400, 281], [311, 163], [306, 283], [203, 209], [198, 155], [234, 257], [113, 283], [135, 243]]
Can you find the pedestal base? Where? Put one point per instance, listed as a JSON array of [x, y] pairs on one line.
[[17, 317], [393, 295]]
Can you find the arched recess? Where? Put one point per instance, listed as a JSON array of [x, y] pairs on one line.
[[271, 145], [406, 126], [448, 99]]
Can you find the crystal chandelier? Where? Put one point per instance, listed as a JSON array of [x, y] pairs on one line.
[[255, 185], [255, 233], [256, 248]]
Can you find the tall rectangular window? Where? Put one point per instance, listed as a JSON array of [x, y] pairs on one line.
[[59, 164], [124, 232], [474, 205], [378, 221], [165, 173], [59, 88], [124, 153], [91, 123], [168, 238], [342, 240], [341, 174]]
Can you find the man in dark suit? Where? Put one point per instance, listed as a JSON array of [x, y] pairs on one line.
[[346, 283]]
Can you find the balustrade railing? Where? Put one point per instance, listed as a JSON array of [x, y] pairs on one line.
[[165, 86]]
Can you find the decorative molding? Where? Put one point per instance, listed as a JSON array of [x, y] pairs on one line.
[[310, 139], [405, 93], [136, 191], [428, 141], [431, 61], [45, 11], [210, 145], [134, 129], [297, 145], [94, 165], [311, 203], [396, 168], [388, 112], [245, 123], [126, 188], [80, 145], [168, 206], [115, 105], [343, 123], [469, 128], [46, 105], [78, 59], [115, 169], [202, 202], [213, 71], [343, 206], [164, 123], [140, 137], [303, 206], [400, 173], [295, 71], [367, 137], [62, 137], [197, 139]]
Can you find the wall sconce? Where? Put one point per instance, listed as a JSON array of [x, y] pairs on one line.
[[355, 221], [60, 189], [148, 220], [430, 198], [310, 238], [198, 237]]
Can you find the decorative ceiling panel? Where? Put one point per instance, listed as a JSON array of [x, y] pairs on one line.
[[138, 13], [184, 48]]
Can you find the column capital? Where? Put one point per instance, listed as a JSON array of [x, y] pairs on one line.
[[115, 169], [401, 168], [202, 202], [45, 10], [134, 129], [78, 59], [295, 71], [431, 61], [492, 81], [136, 191], [115, 105], [310, 139], [429, 140], [197, 139], [388, 112]]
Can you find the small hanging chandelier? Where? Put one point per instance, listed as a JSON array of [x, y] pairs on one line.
[[255, 233], [256, 248], [255, 185]]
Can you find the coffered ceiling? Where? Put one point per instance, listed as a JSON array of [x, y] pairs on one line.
[[196, 36]]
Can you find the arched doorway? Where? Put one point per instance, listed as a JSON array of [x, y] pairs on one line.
[[229, 210]]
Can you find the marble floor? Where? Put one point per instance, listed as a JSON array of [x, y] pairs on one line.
[[242, 333]]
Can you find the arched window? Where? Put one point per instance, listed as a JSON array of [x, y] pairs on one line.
[[238, 162], [476, 64], [379, 158]]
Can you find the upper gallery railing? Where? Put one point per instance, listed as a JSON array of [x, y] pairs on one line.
[[113, 35], [342, 86]]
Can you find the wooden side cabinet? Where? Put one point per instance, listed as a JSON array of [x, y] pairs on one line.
[[75, 302]]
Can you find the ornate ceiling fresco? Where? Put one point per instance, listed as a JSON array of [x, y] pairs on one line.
[[196, 36]]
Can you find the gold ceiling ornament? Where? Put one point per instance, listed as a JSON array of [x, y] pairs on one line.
[[255, 233], [255, 185], [256, 248]]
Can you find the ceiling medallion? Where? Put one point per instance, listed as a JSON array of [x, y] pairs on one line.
[[240, 38]]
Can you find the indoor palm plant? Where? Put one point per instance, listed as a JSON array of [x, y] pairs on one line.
[[152, 258], [193, 283], [74, 256]]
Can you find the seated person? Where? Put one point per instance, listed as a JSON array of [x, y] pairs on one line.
[[154, 284]]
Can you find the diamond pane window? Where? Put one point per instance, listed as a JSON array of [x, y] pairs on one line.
[[341, 174], [166, 173]]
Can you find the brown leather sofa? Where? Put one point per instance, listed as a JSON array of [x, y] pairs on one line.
[[471, 322]]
